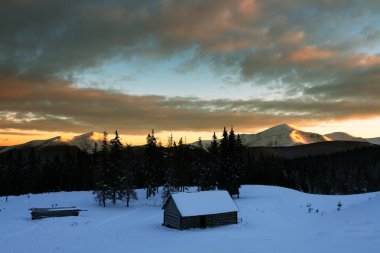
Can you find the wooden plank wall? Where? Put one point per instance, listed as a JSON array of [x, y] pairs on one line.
[[211, 220]]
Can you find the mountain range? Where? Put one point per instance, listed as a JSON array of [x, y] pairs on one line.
[[84, 142], [284, 135]]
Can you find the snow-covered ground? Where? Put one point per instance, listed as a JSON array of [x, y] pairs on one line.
[[273, 219]]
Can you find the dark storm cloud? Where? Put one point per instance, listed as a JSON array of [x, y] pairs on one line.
[[53, 36], [312, 48]]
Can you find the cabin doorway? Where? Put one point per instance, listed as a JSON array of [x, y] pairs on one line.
[[203, 221]]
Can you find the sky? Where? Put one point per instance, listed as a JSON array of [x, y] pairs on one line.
[[187, 67]]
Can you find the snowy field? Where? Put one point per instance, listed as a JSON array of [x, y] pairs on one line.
[[273, 219]]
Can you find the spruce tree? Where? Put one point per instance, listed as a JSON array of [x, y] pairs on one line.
[[239, 160], [115, 175], [98, 175], [170, 185], [223, 161], [104, 162], [127, 190], [235, 162], [182, 165], [170, 141], [150, 165], [209, 175], [206, 175]]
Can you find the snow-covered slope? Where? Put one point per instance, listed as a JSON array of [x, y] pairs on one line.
[[271, 219], [277, 136], [342, 136], [288, 135], [37, 144], [375, 140], [85, 142], [281, 135]]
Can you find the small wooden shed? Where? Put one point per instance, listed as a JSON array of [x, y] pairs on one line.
[[199, 210], [40, 213]]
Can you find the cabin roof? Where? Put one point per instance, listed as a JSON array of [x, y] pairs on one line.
[[203, 203]]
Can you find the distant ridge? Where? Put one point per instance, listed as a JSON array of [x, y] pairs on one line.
[[284, 135], [375, 140], [84, 142], [342, 136], [280, 136]]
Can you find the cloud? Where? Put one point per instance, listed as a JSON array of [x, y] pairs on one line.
[[310, 54], [323, 54], [56, 107], [16, 133], [47, 37]]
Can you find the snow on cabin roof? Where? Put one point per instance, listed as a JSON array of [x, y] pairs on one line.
[[203, 203]]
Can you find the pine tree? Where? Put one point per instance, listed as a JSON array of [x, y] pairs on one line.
[[170, 185], [182, 165], [239, 160], [199, 144], [104, 169], [235, 163], [170, 141], [98, 175], [115, 178], [223, 161], [205, 179], [209, 174], [214, 146], [230, 162], [128, 180], [150, 165], [128, 192]]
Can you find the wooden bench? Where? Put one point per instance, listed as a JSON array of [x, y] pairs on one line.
[[39, 213]]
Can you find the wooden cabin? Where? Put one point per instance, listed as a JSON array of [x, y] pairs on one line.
[[199, 210]]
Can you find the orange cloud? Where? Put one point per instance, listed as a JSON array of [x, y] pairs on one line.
[[310, 54], [362, 60], [231, 45], [291, 38]]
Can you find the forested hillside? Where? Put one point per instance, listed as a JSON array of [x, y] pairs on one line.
[[113, 170]]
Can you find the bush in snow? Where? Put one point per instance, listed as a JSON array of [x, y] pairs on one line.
[[339, 206], [309, 208]]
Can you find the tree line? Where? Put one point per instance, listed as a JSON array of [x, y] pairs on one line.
[[117, 172], [114, 170]]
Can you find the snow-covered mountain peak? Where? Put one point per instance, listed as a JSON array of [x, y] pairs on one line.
[[284, 135], [38, 143], [86, 141], [88, 136], [342, 136], [280, 129]]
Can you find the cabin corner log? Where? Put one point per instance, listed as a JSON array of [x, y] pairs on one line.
[[40, 213]]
